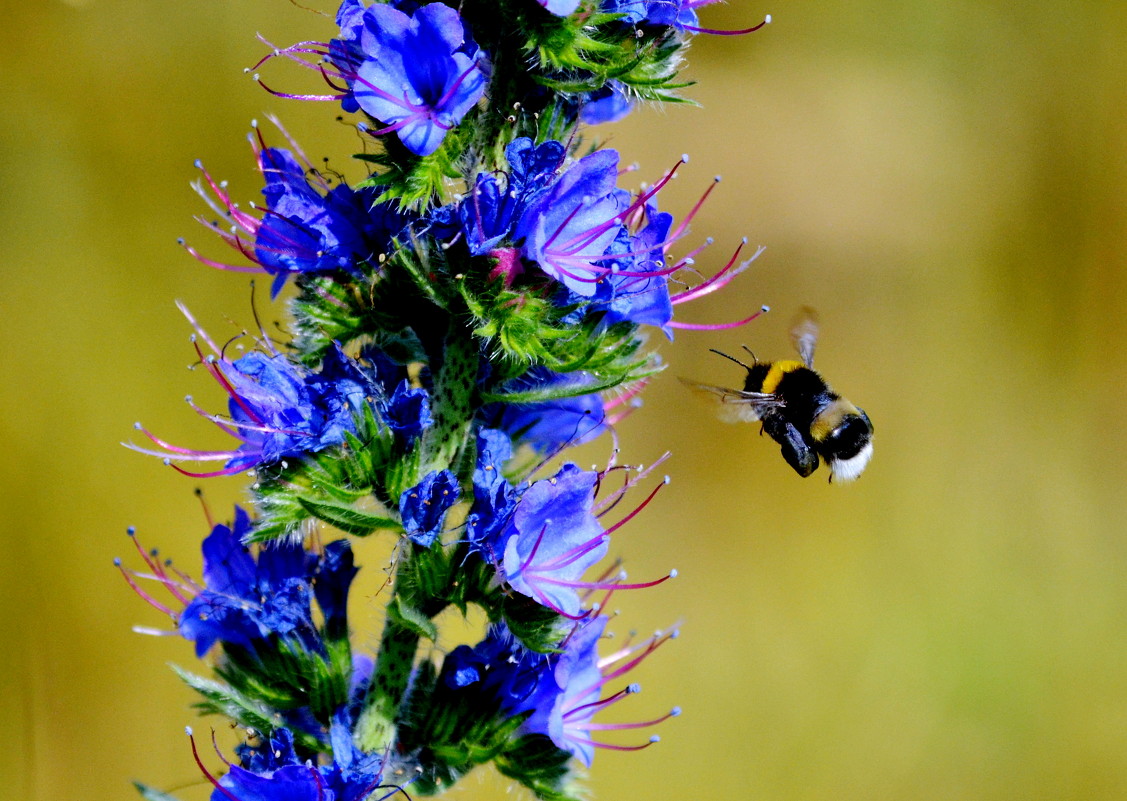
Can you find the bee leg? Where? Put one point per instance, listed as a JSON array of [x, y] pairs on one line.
[[799, 455]]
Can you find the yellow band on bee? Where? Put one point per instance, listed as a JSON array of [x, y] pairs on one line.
[[776, 373]]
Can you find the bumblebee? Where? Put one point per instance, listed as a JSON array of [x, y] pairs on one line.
[[798, 409]]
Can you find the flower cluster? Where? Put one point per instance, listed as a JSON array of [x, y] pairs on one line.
[[459, 318]]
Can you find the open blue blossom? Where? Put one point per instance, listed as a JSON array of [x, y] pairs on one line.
[[602, 245], [419, 74], [246, 599], [639, 292], [277, 408], [569, 228], [490, 211], [307, 226], [552, 538], [274, 772], [423, 507], [559, 693]]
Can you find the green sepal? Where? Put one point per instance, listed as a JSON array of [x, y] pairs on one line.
[[330, 484], [371, 309], [412, 618], [537, 627], [286, 676], [349, 519], [537, 763], [416, 182], [451, 730], [222, 699], [152, 793]]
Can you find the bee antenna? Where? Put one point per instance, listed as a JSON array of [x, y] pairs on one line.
[[733, 358], [750, 353]]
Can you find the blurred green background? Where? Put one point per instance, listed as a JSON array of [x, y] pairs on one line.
[[944, 182]]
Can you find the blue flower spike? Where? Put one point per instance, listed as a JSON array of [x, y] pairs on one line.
[[459, 307]]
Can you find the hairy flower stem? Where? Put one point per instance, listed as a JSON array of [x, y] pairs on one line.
[[375, 730], [421, 592], [453, 403]]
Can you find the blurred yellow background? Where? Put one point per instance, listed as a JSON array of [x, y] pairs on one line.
[[944, 182]]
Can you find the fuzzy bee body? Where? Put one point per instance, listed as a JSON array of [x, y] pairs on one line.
[[800, 411]]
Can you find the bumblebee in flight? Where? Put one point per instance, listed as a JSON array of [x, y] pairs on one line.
[[799, 410]]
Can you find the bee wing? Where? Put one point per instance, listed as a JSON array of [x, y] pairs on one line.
[[804, 334], [735, 405]]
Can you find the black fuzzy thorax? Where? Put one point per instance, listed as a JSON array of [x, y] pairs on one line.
[[804, 393]]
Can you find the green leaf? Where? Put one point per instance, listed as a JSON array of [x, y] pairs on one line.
[[152, 793], [224, 700], [412, 618], [349, 519]]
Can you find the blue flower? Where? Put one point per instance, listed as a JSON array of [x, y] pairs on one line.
[[491, 210], [494, 497], [278, 409], [569, 228], [499, 667], [419, 74], [274, 772], [549, 426], [561, 8], [552, 538], [245, 599], [423, 507], [639, 291], [560, 694], [581, 676], [308, 225], [609, 104], [407, 412]]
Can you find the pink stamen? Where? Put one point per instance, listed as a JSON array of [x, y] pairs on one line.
[[219, 265], [625, 691], [571, 556], [610, 747], [720, 280], [684, 224], [716, 32], [718, 326], [227, 471], [196, 456], [606, 585], [207, 774], [639, 507], [652, 646], [290, 96], [634, 481], [158, 569], [150, 600]]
